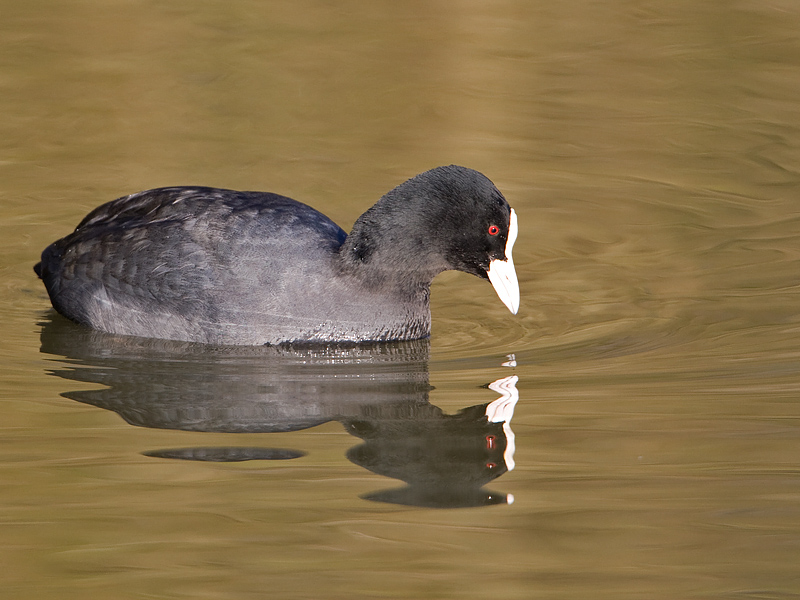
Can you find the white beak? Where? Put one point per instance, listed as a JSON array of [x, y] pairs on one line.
[[502, 274]]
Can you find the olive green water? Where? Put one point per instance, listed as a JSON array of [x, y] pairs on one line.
[[652, 152]]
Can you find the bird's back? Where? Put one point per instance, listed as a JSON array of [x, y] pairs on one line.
[[187, 263]]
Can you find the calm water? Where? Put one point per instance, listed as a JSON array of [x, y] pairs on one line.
[[652, 152]]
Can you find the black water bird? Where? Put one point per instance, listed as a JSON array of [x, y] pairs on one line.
[[249, 268]]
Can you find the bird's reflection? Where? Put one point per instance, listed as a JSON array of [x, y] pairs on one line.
[[445, 460], [379, 393]]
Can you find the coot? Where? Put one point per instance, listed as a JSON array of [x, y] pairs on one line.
[[226, 267]]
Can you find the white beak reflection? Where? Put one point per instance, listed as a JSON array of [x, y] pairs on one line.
[[502, 409]]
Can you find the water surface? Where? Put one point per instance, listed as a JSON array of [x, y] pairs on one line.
[[651, 152]]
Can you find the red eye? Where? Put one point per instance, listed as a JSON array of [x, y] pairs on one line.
[[494, 230]]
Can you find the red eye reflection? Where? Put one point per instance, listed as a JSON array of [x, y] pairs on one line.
[[494, 230]]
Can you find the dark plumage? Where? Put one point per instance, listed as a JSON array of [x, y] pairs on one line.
[[227, 267]]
